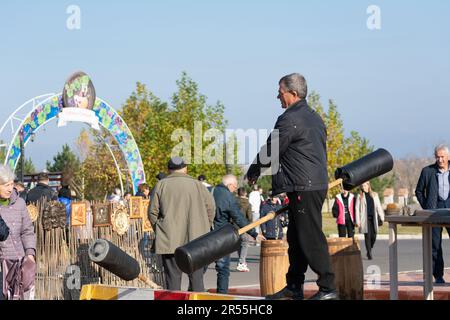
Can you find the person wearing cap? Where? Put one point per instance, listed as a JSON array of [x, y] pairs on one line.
[[181, 210], [42, 190]]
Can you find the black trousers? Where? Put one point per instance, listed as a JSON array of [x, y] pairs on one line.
[[371, 236], [172, 275], [307, 243], [347, 230]]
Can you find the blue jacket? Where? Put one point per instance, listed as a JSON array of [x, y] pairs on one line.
[[227, 210], [272, 229], [67, 203]]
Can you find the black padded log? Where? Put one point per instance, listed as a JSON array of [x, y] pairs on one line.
[[364, 169], [207, 248], [114, 259]]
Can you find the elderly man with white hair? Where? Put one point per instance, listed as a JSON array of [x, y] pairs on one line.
[[227, 211], [433, 192], [18, 251]]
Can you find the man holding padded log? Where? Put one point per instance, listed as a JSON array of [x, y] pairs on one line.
[[300, 135]]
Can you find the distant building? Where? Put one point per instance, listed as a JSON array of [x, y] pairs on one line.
[[388, 196]]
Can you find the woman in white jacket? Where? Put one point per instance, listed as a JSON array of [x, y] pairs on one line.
[[369, 215]]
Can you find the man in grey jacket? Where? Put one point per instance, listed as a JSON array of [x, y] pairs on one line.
[[181, 210]]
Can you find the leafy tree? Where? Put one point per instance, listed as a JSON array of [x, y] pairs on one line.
[[98, 174], [342, 150], [161, 129], [2, 152], [66, 162]]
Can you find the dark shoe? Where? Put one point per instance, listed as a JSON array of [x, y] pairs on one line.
[[369, 256], [322, 295], [287, 293], [439, 280]]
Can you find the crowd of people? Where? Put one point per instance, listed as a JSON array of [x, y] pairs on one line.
[[183, 208]]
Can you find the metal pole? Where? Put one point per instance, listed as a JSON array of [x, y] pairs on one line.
[[22, 156]]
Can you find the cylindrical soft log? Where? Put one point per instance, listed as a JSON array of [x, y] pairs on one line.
[[114, 259], [368, 167], [207, 248]]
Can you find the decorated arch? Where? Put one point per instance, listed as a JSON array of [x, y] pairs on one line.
[[100, 113]]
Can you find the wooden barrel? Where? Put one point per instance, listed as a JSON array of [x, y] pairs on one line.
[[347, 267], [273, 266]]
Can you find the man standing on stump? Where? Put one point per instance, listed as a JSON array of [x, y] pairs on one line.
[[299, 140]]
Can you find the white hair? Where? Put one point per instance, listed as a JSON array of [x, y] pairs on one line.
[[441, 147], [229, 179], [6, 175]]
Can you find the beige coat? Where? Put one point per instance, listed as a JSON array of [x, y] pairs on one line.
[[361, 212], [181, 210]]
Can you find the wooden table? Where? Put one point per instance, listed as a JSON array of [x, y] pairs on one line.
[[421, 218]]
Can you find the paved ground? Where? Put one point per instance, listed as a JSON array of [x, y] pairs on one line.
[[409, 259]]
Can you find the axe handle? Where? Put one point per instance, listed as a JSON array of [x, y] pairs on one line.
[[148, 282], [272, 214], [334, 184]]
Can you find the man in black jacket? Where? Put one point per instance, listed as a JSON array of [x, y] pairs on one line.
[[299, 168], [227, 211], [433, 192], [42, 190]]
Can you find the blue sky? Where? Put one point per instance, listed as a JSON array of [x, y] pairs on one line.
[[391, 85]]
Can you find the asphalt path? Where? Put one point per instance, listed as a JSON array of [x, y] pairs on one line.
[[409, 259]]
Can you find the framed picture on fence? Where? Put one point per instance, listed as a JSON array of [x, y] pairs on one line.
[[146, 225], [136, 207], [78, 214], [102, 215]]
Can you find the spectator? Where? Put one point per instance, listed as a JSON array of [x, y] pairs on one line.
[[181, 210], [255, 202], [18, 251], [143, 191], [433, 192], [20, 187], [42, 190], [244, 205], [344, 212], [116, 197], [369, 216], [227, 210], [65, 197], [202, 179], [272, 229]]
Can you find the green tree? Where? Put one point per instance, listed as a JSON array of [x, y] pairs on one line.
[[66, 162], [342, 150], [2, 152], [98, 175], [28, 167], [160, 128]]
